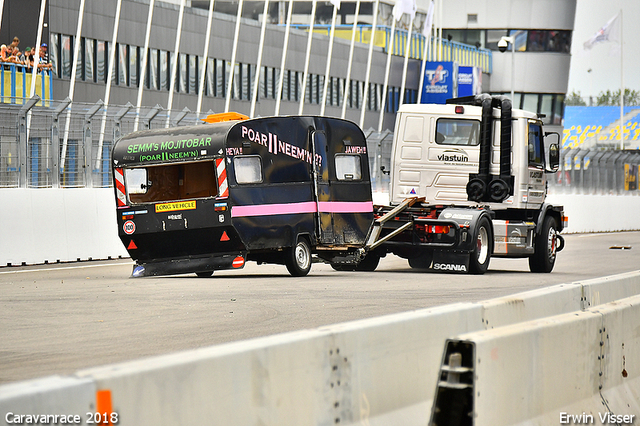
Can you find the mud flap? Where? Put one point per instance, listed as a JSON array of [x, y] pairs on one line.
[[450, 261], [190, 265]]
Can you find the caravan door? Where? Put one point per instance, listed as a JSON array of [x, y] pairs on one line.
[[324, 221]]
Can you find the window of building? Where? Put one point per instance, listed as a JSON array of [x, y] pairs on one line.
[[520, 37], [153, 64], [89, 60], [183, 74], [193, 74], [558, 110], [220, 77], [101, 61], [66, 56], [210, 87], [134, 65], [164, 70], [530, 102], [122, 62]]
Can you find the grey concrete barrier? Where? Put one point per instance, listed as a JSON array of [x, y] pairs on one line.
[[376, 371], [579, 367]]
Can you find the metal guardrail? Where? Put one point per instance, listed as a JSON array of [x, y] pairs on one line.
[[64, 145], [598, 171]]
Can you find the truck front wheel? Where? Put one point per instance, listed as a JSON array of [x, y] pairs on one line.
[[546, 246], [298, 258], [481, 254]]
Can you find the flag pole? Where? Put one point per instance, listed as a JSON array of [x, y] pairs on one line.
[[367, 77], [621, 85]]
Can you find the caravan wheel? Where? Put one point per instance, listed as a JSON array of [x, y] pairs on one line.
[[298, 258]]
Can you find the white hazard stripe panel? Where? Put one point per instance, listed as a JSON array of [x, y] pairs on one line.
[[120, 191], [223, 187]]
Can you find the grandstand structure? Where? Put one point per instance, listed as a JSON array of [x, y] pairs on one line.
[[108, 88], [598, 127]]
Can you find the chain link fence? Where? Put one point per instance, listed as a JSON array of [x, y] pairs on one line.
[[68, 145]]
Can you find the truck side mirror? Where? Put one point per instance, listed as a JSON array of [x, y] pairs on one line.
[[554, 157], [553, 149]]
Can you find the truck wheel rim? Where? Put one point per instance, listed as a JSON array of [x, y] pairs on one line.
[[302, 256], [483, 245], [552, 243]]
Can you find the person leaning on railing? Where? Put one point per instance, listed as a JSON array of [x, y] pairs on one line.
[[43, 63]]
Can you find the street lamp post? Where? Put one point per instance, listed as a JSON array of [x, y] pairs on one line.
[[502, 46]]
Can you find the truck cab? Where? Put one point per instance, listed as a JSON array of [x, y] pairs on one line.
[[438, 147], [469, 182]]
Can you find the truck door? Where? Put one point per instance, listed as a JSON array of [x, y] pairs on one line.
[[536, 186], [324, 221]]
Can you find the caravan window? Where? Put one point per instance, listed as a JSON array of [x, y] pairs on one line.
[[248, 169], [348, 167], [135, 181], [457, 132], [171, 182]]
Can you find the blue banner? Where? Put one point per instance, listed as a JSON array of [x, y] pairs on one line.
[[469, 81], [440, 82]]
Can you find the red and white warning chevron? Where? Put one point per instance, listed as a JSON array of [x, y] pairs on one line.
[[223, 187], [120, 191]]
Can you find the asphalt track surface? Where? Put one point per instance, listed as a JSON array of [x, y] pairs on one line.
[[57, 319]]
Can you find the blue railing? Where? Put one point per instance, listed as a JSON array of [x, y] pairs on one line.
[[15, 84], [464, 54]]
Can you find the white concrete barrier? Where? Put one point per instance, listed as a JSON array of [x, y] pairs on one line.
[[377, 371], [579, 367], [599, 213], [58, 225], [51, 225]]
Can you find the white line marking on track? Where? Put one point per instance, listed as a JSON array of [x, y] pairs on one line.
[[61, 268]]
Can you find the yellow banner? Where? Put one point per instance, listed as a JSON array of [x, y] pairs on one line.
[[180, 205]]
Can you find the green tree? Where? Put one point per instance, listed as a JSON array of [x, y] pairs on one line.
[[608, 98], [574, 99]]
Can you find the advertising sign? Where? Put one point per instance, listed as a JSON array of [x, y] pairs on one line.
[[440, 82], [469, 81]]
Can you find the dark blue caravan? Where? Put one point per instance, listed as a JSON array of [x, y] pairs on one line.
[[270, 190]]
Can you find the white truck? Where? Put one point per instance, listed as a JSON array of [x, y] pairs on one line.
[[468, 182]]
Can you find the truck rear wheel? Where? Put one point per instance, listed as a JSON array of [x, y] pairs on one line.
[[546, 247], [298, 258], [481, 254]]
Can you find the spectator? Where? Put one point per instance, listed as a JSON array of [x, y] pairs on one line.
[[14, 54], [43, 63], [44, 54], [4, 53], [27, 58]]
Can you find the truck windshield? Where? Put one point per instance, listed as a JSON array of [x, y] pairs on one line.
[[168, 182]]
